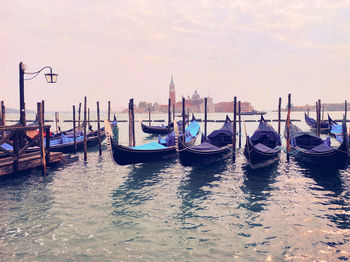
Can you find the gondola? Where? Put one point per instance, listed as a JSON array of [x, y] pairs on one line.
[[216, 146], [263, 148], [65, 143], [310, 149], [153, 151], [157, 130], [161, 130], [312, 123]]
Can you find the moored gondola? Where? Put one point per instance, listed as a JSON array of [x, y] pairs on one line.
[[310, 149], [153, 151], [263, 148], [213, 148], [312, 123]]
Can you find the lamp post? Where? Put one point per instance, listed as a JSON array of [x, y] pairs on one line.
[[50, 78]]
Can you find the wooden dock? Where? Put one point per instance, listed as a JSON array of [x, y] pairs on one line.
[[26, 162]]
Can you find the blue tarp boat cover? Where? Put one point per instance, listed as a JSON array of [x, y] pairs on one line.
[[263, 148], [6, 146], [149, 146], [191, 131]]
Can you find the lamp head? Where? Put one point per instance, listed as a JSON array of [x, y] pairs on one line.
[[51, 77]]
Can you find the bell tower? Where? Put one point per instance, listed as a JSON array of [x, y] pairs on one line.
[[172, 92]]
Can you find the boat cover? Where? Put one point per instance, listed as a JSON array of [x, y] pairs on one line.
[[6, 146], [222, 136], [191, 131], [205, 146], [266, 149], [266, 135], [149, 146]]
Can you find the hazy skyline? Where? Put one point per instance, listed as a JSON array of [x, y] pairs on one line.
[[116, 50]]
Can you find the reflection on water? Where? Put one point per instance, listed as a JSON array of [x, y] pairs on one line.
[[195, 187], [256, 186], [99, 211]]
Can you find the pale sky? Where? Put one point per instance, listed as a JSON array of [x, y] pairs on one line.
[[116, 50]]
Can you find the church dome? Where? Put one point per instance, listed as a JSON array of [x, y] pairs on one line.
[[195, 95]]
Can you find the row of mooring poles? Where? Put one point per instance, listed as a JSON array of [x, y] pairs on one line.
[[86, 125]]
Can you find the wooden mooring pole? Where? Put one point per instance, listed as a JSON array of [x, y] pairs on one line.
[[234, 126], [239, 125], [288, 126], [149, 116], [109, 111], [205, 116], [79, 111], [98, 129], [346, 108], [279, 115], [85, 138], [131, 123], [3, 116], [174, 113], [88, 125], [183, 119], [74, 132], [41, 137], [169, 113]]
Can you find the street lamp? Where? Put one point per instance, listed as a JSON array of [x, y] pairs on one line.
[[50, 78]]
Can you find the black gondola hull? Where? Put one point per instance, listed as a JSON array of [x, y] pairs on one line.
[[123, 155], [192, 157], [259, 159], [337, 158], [156, 130]]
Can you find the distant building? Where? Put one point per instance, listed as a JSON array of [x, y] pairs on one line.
[[228, 107]]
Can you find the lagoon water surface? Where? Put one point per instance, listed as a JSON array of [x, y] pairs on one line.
[[99, 211]]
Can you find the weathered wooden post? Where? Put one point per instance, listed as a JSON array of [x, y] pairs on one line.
[[131, 123], [56, 122], [16, 152], [98, 129], [183, 120], [239, 125], [169, 113], [288, 125], [41, 137], [322, 112], [174, 113], [43, 110], [3, 115], [149, 116], [88, 123], [79, 111], [74, 132], [318, 114], [85, 138], [205, 115], [188, 115], [279, 115], [308, 111], [109, 111], [346, 108], [47, 144], [234, 126]]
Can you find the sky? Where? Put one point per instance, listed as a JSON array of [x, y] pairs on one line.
[[117, 50]]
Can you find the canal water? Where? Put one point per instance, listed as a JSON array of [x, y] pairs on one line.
[[162, 211]]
